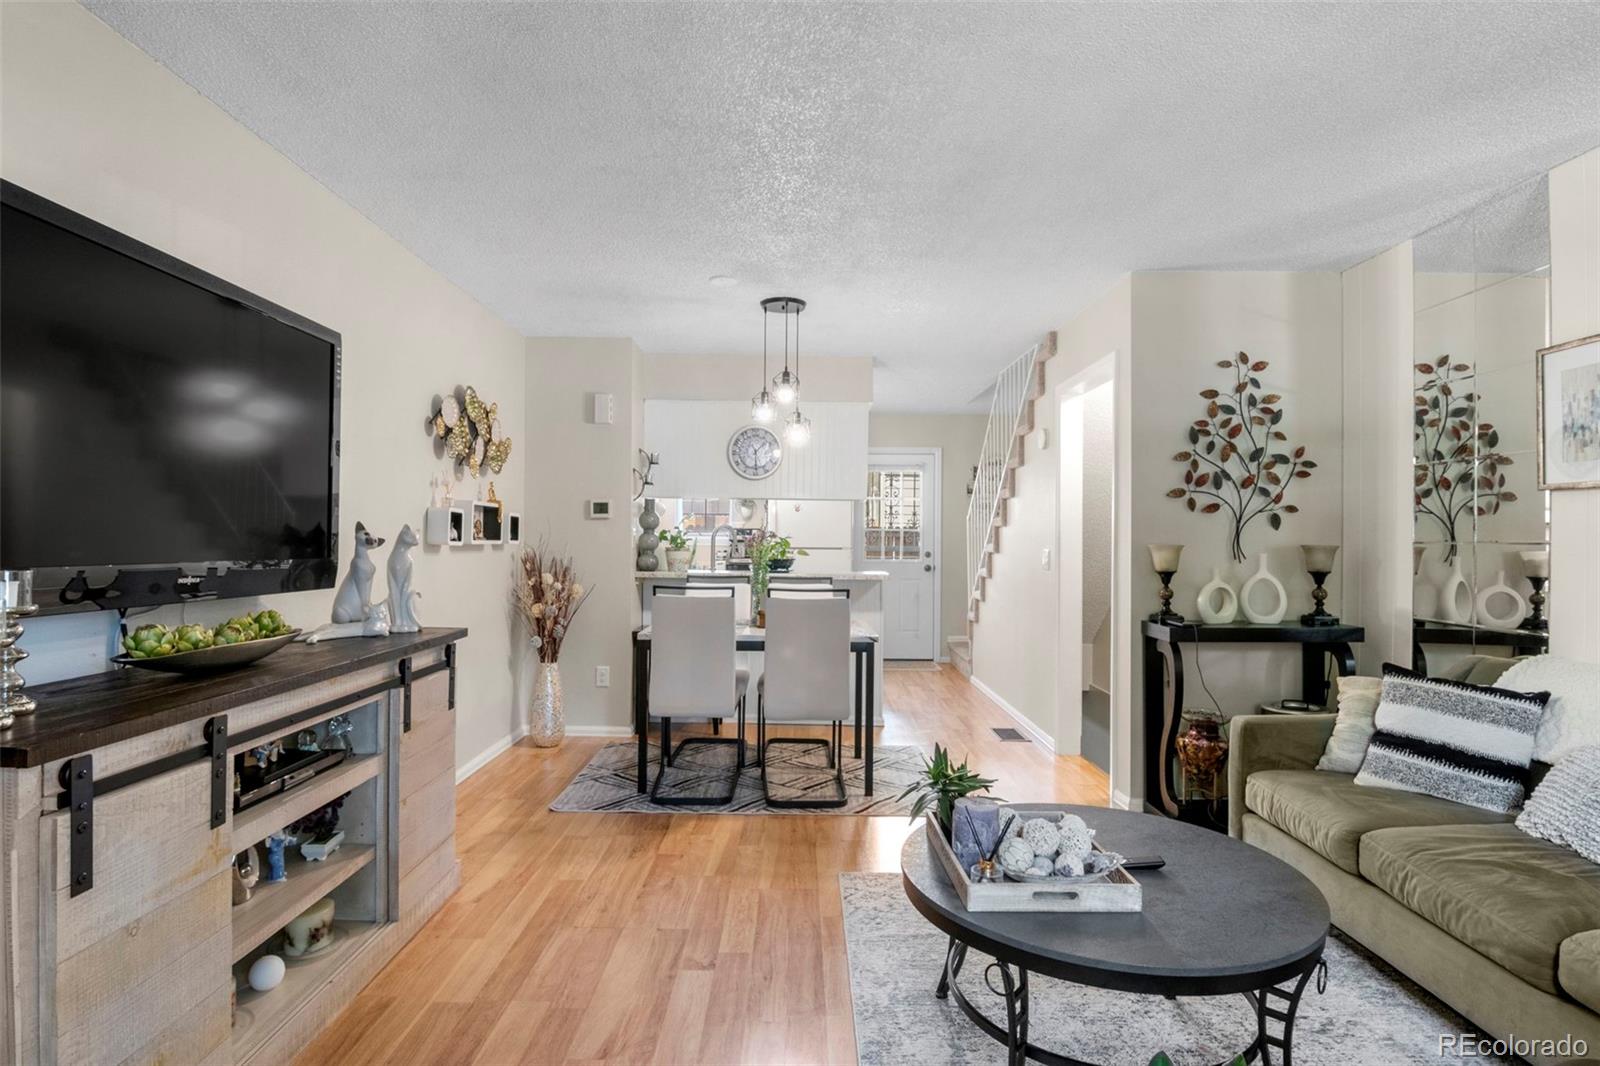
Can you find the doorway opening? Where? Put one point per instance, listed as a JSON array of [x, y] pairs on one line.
[[1086, 432]]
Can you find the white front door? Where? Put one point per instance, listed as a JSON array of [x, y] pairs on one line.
[[898, 533]]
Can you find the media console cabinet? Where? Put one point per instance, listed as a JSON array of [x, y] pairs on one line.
[[120, 934]]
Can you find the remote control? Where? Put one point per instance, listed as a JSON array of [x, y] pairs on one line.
[[1143, 862]]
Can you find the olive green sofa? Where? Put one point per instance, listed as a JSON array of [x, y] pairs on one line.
[[1502, 926]]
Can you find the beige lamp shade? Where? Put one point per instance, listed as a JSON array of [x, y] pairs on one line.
[[1319, 557], [1535, 563], [1164, 557]]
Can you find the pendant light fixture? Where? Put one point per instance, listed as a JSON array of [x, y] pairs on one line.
[[761, 402], [786, 386]]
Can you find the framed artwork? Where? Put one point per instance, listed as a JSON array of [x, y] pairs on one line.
[[1569, 414]]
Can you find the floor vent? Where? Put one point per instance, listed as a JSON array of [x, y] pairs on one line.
[[1007, 733]]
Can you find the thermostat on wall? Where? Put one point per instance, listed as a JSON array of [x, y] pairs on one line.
[[599, 509]]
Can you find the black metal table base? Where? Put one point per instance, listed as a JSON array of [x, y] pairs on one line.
[[1274, 1009]]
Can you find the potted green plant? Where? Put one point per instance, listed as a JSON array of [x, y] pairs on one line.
[[941, 784], [680, 550], [766, 549]]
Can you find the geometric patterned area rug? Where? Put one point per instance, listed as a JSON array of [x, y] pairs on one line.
[[1370, 1014], [609, 781]]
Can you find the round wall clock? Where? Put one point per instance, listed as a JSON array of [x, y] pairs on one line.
[[753, 452]]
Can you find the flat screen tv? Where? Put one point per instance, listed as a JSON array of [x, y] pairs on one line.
[[164, 436]]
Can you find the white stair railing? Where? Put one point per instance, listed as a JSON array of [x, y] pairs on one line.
[[1013, 391]]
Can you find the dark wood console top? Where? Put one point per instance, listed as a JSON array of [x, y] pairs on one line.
[[90, 712]]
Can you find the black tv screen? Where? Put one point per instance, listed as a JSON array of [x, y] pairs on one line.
[[164, 435]]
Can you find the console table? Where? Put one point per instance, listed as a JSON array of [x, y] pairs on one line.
[[1427, 631], [1163, 692], [118, 836]]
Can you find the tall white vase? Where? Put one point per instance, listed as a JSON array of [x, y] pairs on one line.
[[1217, 602], [1273, 615], [1455, 596]]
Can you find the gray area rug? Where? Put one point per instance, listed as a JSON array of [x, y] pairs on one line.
[[608, 781], [1369, 1015]]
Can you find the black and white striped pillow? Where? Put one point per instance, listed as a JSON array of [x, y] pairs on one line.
[[1467, 743]]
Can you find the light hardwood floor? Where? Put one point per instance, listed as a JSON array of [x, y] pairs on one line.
[[681, 938]]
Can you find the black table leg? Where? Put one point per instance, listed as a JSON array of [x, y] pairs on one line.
[[859, 658], [1171, 656], [866, 706], [641, 707], [954, 955], [1275, 1010]]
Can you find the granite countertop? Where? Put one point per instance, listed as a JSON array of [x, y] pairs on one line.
[[838, 575]]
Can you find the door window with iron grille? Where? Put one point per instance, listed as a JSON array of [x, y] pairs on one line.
[[893, 513]]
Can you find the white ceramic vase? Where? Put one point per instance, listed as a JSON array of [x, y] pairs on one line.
[[678, 561], [1217, 602], [1280, 602], [1500, 591], [547, 717], [1455, 596]]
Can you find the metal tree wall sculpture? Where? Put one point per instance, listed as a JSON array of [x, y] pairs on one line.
[[1241, 461], [1457, 467]]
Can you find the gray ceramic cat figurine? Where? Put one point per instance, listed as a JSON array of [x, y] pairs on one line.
[[402, 599], [353, 601]]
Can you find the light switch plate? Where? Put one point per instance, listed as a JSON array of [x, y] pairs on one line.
[[602, 677], [1044, 559]]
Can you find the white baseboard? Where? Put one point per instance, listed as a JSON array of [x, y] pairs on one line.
[[1026, 724], [1120, 800], [600, 731], [488, 755]]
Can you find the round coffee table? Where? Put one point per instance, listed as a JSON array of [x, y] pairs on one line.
[[1221, 917]]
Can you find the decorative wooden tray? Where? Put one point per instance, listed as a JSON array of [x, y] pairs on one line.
[[1118, 891]]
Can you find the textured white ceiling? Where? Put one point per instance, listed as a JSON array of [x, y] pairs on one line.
[[942, 182]]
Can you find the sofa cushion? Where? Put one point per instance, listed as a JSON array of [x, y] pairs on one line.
[[1510, 897], [1579, 968], [1328, 813], [1467, 743]]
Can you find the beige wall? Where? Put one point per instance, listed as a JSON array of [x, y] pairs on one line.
[[89, 121], [1378, 387], [1015, 645], [571, 460], [1574, 313], [960, 440], [844, 379], [1168, 330]]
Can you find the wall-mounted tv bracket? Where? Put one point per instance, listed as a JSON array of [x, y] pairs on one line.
[[408, 675], [79, 789]]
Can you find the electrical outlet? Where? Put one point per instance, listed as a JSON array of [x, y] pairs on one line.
[[602, 677], [1044, 559]]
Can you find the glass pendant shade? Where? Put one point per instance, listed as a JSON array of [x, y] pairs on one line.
[[761, 406], [786, 387], [797, 430]]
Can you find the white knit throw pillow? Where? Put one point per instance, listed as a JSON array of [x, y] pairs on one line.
[[1358, 702], [1565, 808]]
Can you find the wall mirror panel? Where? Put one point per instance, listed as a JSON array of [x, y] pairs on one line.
[[1480, 558]]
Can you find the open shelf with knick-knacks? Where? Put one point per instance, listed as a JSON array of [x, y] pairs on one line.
[[148, 765]]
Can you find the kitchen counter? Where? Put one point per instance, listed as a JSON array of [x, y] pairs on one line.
[[849, 575]]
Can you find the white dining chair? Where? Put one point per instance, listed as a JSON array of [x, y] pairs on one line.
[[693, 675], [806, 678]]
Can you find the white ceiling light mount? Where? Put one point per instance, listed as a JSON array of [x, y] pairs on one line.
[[722, 281]]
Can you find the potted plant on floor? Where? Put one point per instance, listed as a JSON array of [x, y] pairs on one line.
[[940, 784], [680, 552], [548, 594]]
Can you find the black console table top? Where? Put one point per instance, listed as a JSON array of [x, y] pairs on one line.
[[1254, 633], [84, 713]]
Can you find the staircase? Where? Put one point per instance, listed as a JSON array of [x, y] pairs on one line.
[[1011, 419]]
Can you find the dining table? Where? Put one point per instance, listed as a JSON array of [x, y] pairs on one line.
[[863, 647]]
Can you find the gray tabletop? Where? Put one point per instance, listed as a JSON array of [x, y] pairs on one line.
[[1220, 917]]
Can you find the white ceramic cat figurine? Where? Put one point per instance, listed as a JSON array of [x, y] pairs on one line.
[[402, 599], [354, 598]]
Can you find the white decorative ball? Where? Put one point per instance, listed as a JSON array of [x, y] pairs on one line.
[[1072, 821], [1077, 842], [1016, 854], [266, 973], [1041, 865], [1069, 865], [1042, 835]]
